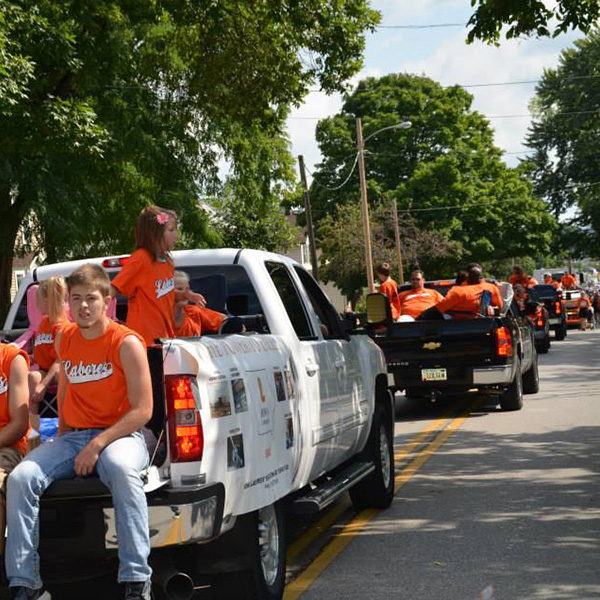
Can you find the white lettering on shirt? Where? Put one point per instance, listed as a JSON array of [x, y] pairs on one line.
[[83, 373], [3, 385], [43, 338], [164, 286]]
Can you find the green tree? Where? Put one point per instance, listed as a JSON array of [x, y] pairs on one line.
[[563, 138], [529, 17], [444, 171], [107, 106], [342, 244]]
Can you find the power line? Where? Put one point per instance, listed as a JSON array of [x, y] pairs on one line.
[[517, 116], [425, 26], [334, 189], [500, 201]]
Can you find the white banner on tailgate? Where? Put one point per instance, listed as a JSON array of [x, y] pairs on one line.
[[248, 395]]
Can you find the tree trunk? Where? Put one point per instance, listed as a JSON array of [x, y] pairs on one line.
[[11, 215]]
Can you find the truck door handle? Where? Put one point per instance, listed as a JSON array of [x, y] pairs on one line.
[[340, 364], [311, 369]]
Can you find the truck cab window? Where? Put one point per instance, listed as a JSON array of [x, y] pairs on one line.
[[291, 300], [328, 318]]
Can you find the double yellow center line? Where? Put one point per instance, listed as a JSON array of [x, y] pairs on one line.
[[299, 585]]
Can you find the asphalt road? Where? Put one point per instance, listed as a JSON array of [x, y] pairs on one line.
[[503, 506]]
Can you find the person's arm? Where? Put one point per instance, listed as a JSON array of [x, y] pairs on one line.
[[40, 388], [139, 392], [18, 406], [62, 387]]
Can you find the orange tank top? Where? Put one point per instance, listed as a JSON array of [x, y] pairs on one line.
[[7, 354], [150, 289], [96, 388], [44, 351]]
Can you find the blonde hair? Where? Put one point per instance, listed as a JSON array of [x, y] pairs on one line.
[[181, 275], [54, 291], [150, 228]]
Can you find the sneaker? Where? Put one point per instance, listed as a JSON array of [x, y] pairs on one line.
[[138, 590], [25, 593]]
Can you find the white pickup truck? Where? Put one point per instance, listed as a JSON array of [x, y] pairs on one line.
[[285, 416]]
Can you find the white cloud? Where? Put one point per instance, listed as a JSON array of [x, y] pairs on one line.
[[455, 62]]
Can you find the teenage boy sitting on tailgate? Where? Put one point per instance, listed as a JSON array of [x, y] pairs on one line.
[[104, 399]]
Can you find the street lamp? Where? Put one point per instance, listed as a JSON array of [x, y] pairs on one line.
[[363, 192]]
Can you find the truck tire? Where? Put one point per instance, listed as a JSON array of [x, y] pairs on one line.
[[561, 333], [531, 378], [544, 345], [268, 555], [377, 490], [512, 399], [264, 577]]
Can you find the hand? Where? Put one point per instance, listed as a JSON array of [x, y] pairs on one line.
[[39, 392], [86, 460], [196, 298]]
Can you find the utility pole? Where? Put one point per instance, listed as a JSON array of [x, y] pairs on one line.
[[398, 248], [309, 222], [365, 206]]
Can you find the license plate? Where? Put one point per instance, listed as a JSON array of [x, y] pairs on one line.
[[433, 375]]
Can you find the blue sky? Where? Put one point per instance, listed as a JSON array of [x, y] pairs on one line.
[[443, 55]]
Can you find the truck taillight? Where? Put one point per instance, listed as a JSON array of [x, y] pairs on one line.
[[557, 307], [186, 438], [118, 261], [540, 322], [504, 345]]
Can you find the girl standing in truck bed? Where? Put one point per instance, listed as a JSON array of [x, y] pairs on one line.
[[147, 276]]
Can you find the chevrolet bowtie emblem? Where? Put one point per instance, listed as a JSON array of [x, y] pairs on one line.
[[431, 345]]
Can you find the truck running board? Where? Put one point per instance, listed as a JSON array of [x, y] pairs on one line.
[[323, 495]]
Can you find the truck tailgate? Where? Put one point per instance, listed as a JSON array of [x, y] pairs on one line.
[[430, 343]]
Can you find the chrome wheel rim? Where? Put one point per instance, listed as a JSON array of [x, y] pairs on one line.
[[386, 463], [268, 542]]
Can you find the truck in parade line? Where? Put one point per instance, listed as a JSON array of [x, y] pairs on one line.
[[429, 358], [285, 416]]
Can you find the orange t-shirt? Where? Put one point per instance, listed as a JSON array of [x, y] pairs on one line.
[[7, 354], [462, 301], [525, 281], [207, 319], [96, 388], [150, 287], [583, 302], [188, 328], [414, 302], [568, 281], [44, 351], [390, 289]]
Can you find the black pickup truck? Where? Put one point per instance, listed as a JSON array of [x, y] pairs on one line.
[[557, 311], [426, 358]]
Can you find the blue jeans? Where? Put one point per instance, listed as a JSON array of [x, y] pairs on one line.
[[119, 466]]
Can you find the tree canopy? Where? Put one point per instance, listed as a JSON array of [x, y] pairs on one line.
[[564, 141], [530, 17], [444, 172], [108, 106]]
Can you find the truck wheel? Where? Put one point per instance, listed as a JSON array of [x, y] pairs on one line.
[[377, 490], [561, 333], [544, 346], [268, 560], [512, 399], [531, 378]]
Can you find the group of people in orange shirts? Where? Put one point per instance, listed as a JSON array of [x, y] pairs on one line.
[[463, 301], [104, 398]]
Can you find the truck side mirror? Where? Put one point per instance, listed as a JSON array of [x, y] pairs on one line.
[[379, 311]]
